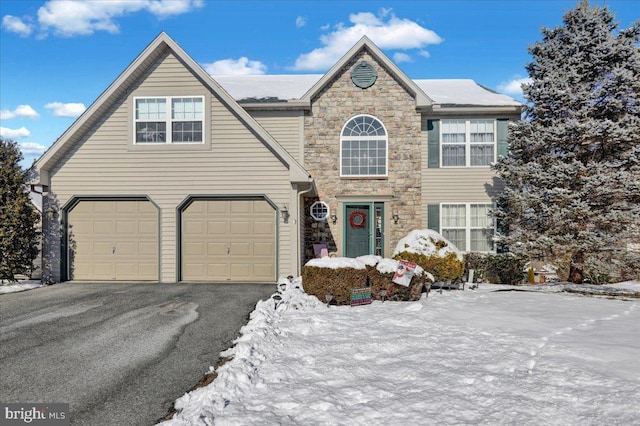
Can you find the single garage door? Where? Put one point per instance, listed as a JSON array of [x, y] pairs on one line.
[[229, 240], [113, 240]]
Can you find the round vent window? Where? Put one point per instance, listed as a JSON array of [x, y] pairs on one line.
[[364, 75], [320, 210]]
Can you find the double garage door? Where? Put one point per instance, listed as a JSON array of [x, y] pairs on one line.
[[221, 240]]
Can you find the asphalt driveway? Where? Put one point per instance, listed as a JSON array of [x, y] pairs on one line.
[[118, 353]]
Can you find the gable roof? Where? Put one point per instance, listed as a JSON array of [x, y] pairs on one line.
[[149, 55], [421, 99]]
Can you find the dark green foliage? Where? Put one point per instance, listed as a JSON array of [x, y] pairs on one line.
[[478, 262], [506, 268], [572, 175], [18, 217]]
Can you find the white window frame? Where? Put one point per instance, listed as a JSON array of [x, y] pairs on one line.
[[319, 203], [168, 120], [384, 138], [468, 143], [467, 228]]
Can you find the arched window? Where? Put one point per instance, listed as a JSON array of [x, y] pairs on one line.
[[363, 147]]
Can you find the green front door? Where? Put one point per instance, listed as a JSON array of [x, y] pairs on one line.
[[363, 229]]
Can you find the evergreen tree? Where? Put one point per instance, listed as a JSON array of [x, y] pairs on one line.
[[572, 175], [18, 238]]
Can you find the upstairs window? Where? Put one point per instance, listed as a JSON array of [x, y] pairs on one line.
[[468, 143], [163, 120], [363, 147]]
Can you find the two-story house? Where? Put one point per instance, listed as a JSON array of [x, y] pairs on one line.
[[174, 175]]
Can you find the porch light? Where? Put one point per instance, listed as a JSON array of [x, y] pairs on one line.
[[395, 218], [285, 213], [334, 218]]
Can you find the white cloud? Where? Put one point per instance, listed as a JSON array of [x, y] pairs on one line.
[[22, 132], [386, 30], [241, 66], [5, 114], [20, 111], [514, 86], [71, 109], [32, 148], [16, 25], [301, 21], [401, 57], [70, 17]]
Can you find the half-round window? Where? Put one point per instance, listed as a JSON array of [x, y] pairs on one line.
[[363, 147], [319, 210]]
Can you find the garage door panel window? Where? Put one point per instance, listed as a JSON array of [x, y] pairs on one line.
[[152, 120]]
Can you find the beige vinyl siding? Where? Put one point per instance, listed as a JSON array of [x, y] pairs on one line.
[[454, 184], [286, 127], [235, 162]]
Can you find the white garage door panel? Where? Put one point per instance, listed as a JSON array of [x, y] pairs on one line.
[[113, 240], [229, 240]]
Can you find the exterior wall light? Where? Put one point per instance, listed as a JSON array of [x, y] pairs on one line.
[[285, 213], [395, 218], [334, 218]]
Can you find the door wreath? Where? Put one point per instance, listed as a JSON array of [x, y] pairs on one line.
[[357, 219]]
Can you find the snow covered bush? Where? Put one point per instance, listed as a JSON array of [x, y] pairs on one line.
[[338, 276], [381, 271], [433, 253], [333, 275]]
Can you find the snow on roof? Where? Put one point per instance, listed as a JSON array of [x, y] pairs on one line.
[[286, 87], [283, 87], [422, 241], [463, 92]]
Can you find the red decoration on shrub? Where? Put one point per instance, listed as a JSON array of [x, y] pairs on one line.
[[357, 219]]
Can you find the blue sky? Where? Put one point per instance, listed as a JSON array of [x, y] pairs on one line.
[[57, 56]]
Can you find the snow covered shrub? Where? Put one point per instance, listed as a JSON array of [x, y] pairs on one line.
[[507, 268], [433, 253], [333, 275], [381, 271]]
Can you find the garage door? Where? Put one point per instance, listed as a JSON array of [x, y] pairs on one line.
[[113, 240], [229, 240]]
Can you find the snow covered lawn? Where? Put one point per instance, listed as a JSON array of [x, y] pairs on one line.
[[481, 357]]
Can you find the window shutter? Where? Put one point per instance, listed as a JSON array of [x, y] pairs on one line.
[[433, 144], [433, 219], [503, 145]]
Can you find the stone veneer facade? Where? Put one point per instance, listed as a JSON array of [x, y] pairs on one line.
[[331, 108]]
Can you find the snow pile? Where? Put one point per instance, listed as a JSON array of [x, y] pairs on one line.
[[383, 265], [423, 241], [19, 286], [336, 263], [479, 357]]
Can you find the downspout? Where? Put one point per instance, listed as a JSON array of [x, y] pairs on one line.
[[298, 238]]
